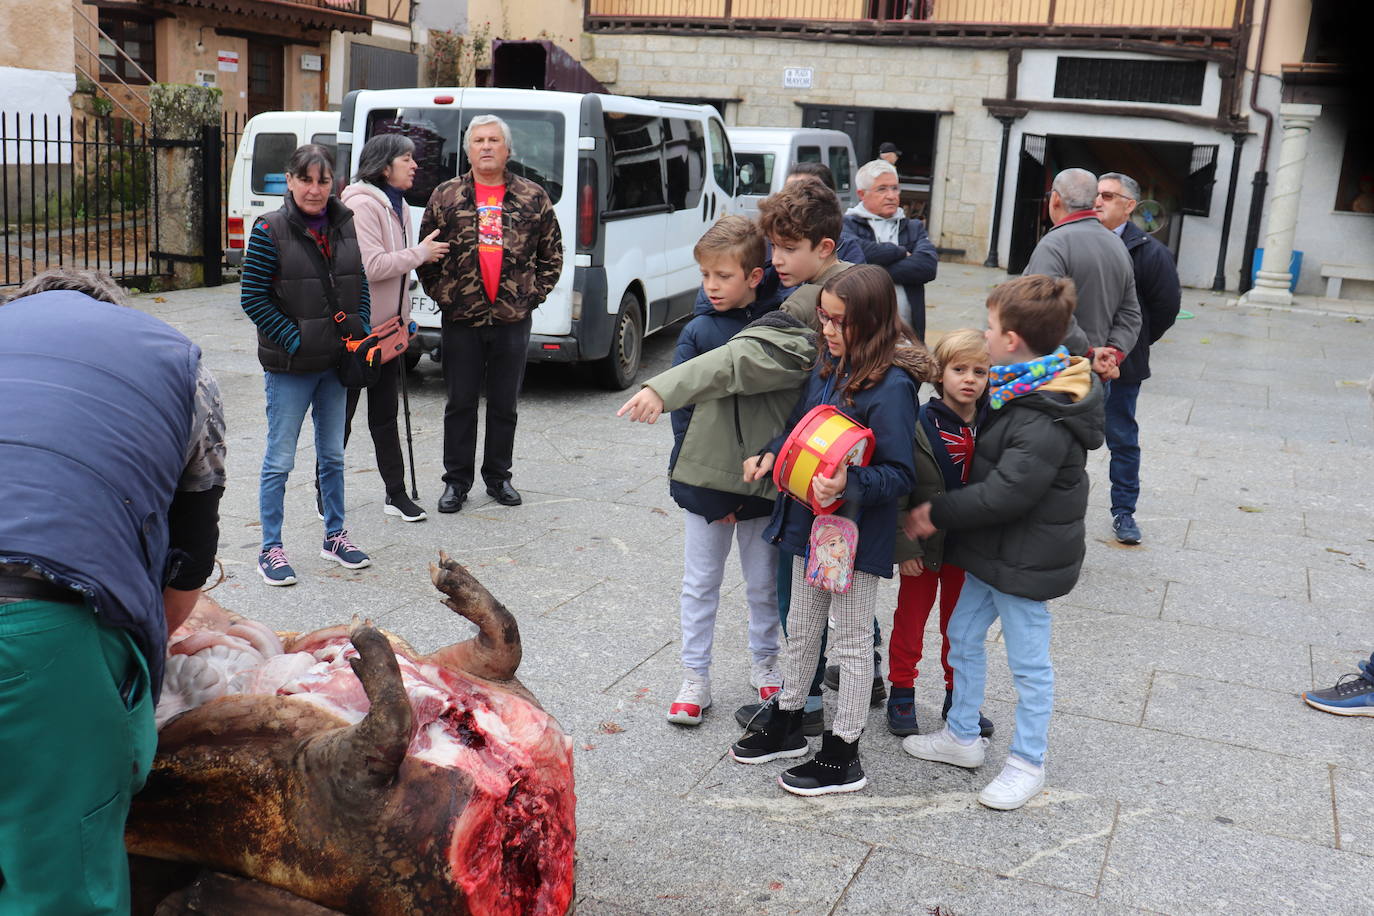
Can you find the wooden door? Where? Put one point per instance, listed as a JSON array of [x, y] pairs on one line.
[[266, 78]]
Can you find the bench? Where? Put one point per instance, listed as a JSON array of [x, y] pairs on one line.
[[1335, 273]]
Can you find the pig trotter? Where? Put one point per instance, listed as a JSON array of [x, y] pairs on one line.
[[365, 757], [494, 653]]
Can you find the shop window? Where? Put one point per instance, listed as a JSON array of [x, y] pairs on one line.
[[133, 35]]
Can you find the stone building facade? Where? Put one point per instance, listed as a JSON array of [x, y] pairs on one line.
[[749, 74]]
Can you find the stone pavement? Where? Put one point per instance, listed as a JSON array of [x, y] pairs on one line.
[[1184, 775]]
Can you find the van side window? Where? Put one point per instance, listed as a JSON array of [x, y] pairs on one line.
[[636, 161], [437, 134], [722, 160], [684, 160], [839, 167], [809, 154], [329, 142], [271, 153], [755, 173]]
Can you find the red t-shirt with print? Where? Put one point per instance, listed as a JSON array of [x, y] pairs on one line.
[[489, 234]]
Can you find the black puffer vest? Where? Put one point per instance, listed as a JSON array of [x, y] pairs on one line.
[[302, 283]]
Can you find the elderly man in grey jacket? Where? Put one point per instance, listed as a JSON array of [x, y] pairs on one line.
[[1080, 247]]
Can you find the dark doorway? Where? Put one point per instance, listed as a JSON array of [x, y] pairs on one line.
[[266, 78], [1175, 179], [914, 132]]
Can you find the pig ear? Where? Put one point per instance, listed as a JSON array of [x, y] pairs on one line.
[[366, 756], [494, 653]]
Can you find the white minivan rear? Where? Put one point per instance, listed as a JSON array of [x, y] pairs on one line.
[[257, 180], [634, 184], [765, 155]]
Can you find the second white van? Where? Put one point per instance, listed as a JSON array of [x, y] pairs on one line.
[[766, 154], [257, 180], [634, 184]]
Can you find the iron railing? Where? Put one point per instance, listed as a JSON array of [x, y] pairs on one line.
[[1108, 14], [76, 194]]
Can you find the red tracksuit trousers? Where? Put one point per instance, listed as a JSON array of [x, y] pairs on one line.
[[915, 598]]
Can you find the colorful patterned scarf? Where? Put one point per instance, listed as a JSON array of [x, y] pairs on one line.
[[1007, 382]]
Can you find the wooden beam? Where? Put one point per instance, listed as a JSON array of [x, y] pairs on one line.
[[1020, 107]]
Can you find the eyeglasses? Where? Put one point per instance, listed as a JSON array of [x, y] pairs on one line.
[[1110, 196], [823, 316]]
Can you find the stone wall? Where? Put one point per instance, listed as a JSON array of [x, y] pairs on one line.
[[952, 80]]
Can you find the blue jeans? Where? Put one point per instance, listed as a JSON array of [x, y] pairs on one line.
[[1123, 438], [1026, 632], [288, 397]]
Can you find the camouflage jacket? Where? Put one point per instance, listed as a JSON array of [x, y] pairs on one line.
[[531, 260]]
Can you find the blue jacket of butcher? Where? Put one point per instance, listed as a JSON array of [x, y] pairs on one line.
[[96, 404]]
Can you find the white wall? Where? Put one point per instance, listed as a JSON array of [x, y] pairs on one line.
[[38, 93], [1325, 234]]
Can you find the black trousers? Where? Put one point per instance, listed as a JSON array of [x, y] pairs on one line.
[[381, 423], [494, 354]]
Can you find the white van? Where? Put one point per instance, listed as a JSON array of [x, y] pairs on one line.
[[257, 181], [634, 184], [766, 154]]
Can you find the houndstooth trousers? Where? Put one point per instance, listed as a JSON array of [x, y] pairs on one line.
[[851, 649]]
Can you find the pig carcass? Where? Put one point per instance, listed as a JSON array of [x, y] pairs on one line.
[[352, 771]]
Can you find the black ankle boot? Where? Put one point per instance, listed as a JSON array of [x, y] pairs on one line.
[[780, 735], [985, 726], [835, 768]]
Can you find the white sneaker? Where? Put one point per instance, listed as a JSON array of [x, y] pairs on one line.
[[693, 699], [766, 676], [1017, 784], [943, 747]]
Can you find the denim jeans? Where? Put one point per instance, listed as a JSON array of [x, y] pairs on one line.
[[1123, 438], [1026, 632], [288, 397]]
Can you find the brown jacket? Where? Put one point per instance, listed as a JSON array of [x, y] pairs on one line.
[[531, 260]]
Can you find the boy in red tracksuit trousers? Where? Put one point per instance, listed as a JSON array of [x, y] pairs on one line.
[[946, 430]]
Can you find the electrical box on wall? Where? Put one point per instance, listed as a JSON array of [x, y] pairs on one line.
[[312, 62]]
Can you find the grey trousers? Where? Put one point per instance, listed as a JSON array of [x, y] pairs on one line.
[[851, 649]]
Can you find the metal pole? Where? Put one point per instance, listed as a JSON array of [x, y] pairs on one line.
[[211, 257], [410, 445], [1219, 281], [1001, 189]]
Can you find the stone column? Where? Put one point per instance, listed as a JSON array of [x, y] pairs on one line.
[[1273, 281]]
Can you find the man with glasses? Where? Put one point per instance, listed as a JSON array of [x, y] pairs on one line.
[[892, 240], [1157, 289]]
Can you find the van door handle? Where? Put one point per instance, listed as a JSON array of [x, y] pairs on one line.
[[703, 209], [713, 206]]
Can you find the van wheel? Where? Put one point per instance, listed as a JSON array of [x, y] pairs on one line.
[[618, 370]]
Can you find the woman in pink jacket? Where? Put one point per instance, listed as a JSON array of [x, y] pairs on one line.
[[386, 170]]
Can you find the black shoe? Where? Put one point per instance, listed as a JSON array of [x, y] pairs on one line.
[[985, 726], [401, 504], [835, 768], [505, 494], [751, 717], [319, 502], [779, 735], [832, 682], [453, 498], [901, 712]]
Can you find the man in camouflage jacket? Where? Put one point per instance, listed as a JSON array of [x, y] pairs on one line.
[[505, 255]]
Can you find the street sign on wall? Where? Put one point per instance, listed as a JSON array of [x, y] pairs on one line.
[[797, 77]]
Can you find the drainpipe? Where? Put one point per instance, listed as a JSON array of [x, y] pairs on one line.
[[1261, 179], [1219, 281]]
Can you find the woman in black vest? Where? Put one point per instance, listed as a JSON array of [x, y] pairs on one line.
[[302, 268]]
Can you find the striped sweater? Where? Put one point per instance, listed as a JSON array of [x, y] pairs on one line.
[[259, 268]]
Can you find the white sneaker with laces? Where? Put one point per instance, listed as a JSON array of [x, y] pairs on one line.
[[1017, 784], [766, 676], [693, 699], [943, 747]]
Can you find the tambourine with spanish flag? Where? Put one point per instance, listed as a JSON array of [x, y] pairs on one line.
[[824, 439]]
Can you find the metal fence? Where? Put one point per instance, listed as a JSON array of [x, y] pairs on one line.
[[231, 133], [76, 193]]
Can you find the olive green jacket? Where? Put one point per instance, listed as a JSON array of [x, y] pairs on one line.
[[930, 483], [744, 391], [801, 305]]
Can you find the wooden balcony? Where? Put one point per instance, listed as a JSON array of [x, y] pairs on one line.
[[1206, 23]]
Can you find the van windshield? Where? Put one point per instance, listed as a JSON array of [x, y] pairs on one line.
[[755, 172], [536, 140]]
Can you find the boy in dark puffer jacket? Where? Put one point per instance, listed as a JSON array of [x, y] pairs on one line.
[[1020, 527]]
